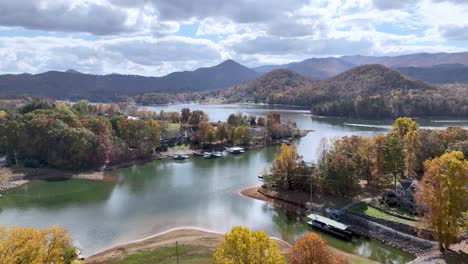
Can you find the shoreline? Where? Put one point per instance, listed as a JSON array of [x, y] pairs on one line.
[[187, 236], [13, 177], [432, 256]]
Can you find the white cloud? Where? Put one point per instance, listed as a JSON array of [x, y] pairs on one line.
[[150, 37], [133, 55]]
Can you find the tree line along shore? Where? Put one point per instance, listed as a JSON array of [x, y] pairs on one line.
[[42, 137], [410, 182], [45, 134]]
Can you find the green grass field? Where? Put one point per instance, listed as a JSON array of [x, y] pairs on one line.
[[167, 255], [173, 127], [367, 210]]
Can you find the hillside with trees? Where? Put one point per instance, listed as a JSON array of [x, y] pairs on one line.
[[74, 85], [365, 91], [445, 73], [324, 68]]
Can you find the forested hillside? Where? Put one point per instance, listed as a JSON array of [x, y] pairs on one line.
[[113, 87], [364, 91], [445, 73]]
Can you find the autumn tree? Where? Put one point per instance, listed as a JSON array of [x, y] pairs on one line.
[[242, 246], [184, 115], [241, 135], [393, 157], [286, 165], [224, 132], [378, 161], [206, 132], [33, 246], [407, 130], [261, 121], [442, 196], [312, 249], [196, 117], [237, 119], [154, 133]]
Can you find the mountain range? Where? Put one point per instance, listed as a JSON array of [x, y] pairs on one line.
[[349, 85], [420, 63], [371, 91], [72, 84]]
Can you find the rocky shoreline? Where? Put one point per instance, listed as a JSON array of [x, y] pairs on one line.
[[426, 251]]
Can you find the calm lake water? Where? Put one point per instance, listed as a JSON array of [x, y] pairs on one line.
[[202, 193]]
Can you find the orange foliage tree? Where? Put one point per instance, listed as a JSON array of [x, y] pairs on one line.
[[312, 249]]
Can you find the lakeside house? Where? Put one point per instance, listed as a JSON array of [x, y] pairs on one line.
[[405, 191]]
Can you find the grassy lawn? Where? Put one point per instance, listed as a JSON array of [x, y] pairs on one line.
[[167, 255], [192, 255], [367, 210], [173, 127], [181, 147]]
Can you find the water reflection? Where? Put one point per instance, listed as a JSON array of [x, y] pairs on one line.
[[165, 194]]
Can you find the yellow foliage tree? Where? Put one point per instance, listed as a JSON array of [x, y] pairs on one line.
[[33, 246], [241, 246], [407, 130], [286, 164], [154, 130], [442, 196], [312, 249]]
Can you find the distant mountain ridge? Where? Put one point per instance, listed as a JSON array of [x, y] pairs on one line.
[[324, 68], [444, 73], [75, 85], [364, 91]]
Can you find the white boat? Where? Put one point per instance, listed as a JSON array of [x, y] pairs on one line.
[[212, 155], [236, 150], [181, 157]]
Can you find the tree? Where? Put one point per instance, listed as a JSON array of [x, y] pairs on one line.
[[261, 122], [242, 135], [206, 132], [184, 115], [286, 165], [224, 132], [196, 117], [378, 160], [237, 119], [252, 120], [241, 246], [407, 130], [412, 146], [442, 196], [29, 245], [81, 107], [402, 126], [393, 157], [312, 249], [154, 133]]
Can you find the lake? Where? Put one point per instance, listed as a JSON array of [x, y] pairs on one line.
[[151, 198]]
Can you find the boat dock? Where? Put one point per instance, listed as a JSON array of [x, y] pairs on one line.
[[329, 225]]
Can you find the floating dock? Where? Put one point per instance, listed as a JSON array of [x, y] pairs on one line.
[[330, 226]]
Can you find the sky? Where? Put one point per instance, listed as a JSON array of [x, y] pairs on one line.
[[156, 37]]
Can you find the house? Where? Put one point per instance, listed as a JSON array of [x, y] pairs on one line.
[[405, 191]]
